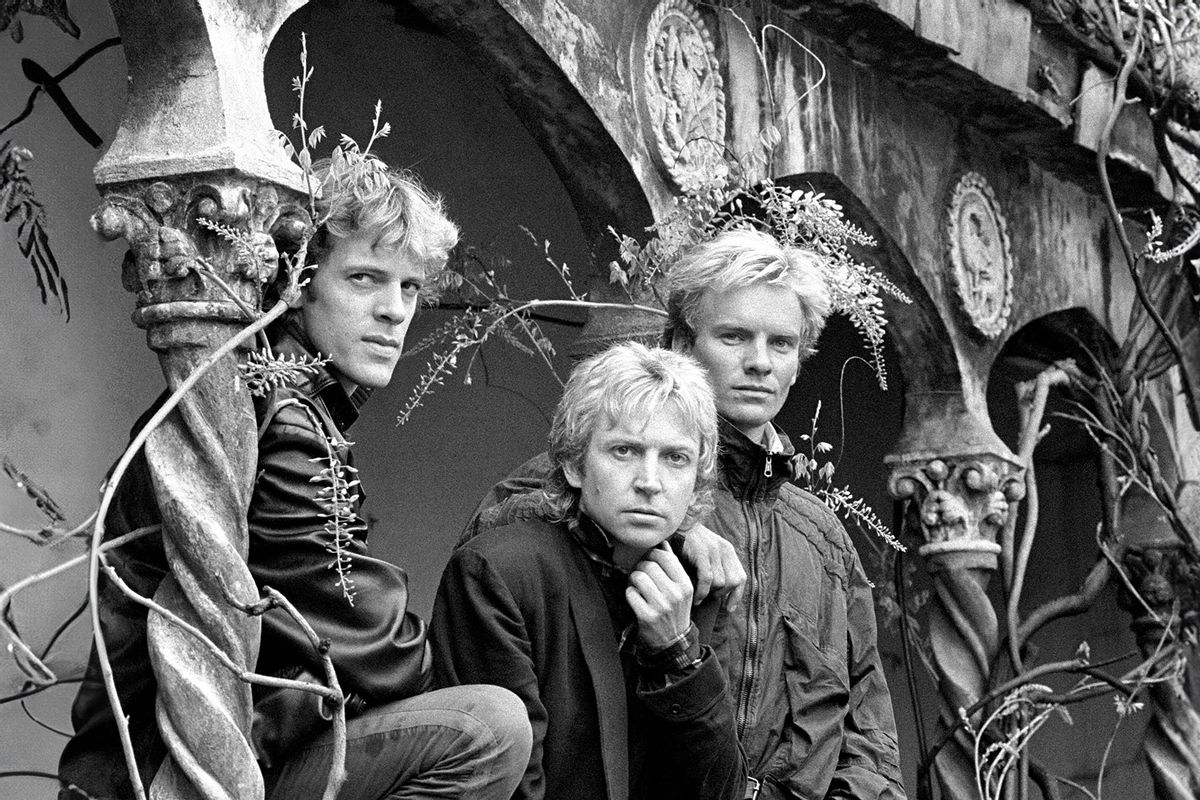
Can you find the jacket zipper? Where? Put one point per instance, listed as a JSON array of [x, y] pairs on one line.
[[750, 654]]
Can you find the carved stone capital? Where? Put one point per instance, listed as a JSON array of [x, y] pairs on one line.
[[1163, 573], [962, 500], [173, 258], [1166, 577]]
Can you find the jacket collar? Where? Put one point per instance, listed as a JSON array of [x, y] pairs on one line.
[[322, 384], [747, 469]]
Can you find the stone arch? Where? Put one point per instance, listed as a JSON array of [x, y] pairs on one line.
[[511, 45]]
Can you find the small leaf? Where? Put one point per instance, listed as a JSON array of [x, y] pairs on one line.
[[617, 275]]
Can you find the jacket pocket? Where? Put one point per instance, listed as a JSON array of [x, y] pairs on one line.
[[818, 692]]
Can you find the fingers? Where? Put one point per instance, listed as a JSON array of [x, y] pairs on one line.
[[661, 605], [652, 584], [704, 575], [641, 609], [735, 575], [735, 596], [669, 563]]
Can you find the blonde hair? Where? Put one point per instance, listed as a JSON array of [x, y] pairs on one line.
[[393, 203], [630, 381], [738, 258]]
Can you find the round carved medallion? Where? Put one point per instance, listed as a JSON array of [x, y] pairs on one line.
[[683, 94], [980, 255]]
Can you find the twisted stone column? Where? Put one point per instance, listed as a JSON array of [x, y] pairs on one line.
[[196, 141], [961, 501], [1166, 577], [201, 460]]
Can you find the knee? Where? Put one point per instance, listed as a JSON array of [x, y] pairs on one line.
[[504, 715]]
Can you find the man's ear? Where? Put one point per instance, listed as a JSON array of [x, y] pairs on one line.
[[573, 475]]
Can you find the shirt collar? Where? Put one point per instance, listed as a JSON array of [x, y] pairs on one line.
[[596, 544], [324, 383], [771, 440]]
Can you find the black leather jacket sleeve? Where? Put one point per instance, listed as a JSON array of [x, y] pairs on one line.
[[309, 542]]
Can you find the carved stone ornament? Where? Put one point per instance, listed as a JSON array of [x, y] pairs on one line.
[[963, 500], [173, 261], [683, 93], [981, 263]]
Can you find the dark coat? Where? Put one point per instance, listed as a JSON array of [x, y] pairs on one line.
[[522, 606]]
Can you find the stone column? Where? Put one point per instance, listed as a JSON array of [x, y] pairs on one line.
[[195, 141], [960, 479], [1166, 577]]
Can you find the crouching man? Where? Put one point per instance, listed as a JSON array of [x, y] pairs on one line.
[[582, 609], [383, 235]]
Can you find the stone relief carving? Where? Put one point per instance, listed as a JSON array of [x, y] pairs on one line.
[[981, 261], [683, 92]]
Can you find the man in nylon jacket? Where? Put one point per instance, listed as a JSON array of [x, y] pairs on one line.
[[372, 251], [812, 706]]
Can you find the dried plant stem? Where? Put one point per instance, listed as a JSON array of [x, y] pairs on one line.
[[529, 305], [205, 269], [6, 597], [246, 675], [1131, 260], [49, 537], [1073, 666], [106, 672], [1069, 605], [337, 770], [1034, 395]]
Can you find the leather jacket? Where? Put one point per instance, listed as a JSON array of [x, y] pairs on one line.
[[377, 647]]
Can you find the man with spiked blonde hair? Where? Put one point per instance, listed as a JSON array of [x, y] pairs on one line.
[[813, 710], [579, 607], [380, 234]]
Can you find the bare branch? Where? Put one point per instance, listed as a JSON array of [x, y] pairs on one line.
[[45, 676], [1067, 605]]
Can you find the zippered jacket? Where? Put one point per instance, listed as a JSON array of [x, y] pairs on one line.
[[812, 706]]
